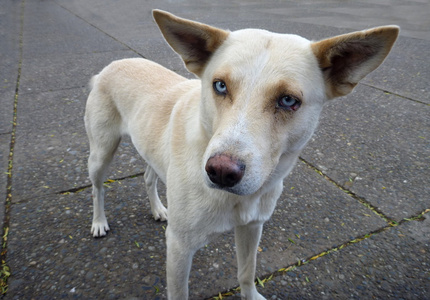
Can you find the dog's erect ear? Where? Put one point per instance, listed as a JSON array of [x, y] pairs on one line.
[[348, 58], [195, 42]]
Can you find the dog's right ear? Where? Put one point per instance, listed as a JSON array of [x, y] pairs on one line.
[[194, 42]]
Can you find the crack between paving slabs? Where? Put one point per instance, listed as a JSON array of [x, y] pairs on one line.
[[4, 269], [106, 183], [282, 271], [395, 94], [363, 201], [82, 188], [99, 29]]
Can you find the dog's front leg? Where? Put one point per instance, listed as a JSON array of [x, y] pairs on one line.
[[179, 260], [247, 238]]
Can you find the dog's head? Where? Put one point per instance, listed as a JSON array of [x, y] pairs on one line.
[[262, 92]]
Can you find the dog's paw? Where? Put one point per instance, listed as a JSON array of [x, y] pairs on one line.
[[159, 213], [252, 294], [257, 296], [260, 297], [99, 228]]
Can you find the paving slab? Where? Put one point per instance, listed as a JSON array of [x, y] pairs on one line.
[[363, 13], [7, 99], [393, 264], [9, 61], [50, 29], [406, 71], [364, 144], [45, 73], [8, 77], [129, 262]]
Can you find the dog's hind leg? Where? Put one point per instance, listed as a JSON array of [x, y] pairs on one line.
[[247, 238], [104, 137], [98, 163], [157, 208]]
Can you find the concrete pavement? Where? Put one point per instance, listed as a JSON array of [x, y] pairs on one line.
[[352, 221]]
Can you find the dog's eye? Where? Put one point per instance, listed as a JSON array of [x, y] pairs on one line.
[[289, 103], [220, 87]]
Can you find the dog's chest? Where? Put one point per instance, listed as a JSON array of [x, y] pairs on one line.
[[258, 209], [234, 213], [245, 212]]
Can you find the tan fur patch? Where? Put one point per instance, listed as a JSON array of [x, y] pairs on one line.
[[280, 89], [232, 85]]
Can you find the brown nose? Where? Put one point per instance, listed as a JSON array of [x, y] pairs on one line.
[[224, 170]]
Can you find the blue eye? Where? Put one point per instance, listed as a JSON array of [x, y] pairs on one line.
[[289, 103], [220, 87]]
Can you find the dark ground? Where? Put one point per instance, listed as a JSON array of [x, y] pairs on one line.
[[352, 221]]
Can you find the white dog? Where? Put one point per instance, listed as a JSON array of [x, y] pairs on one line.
[[222, 143]]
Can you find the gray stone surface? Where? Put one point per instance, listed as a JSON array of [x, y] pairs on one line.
[[388, 265], [44, 73], [409, 15], [50, 29], [405, 72], [380, 165], [373, 143]]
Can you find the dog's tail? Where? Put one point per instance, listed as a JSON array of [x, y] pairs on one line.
[[92, 82]]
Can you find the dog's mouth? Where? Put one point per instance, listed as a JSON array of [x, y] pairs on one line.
[[237, 189]]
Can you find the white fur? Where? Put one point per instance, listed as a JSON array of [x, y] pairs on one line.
[[178, 124]]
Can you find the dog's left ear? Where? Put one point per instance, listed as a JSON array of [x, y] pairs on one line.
[[348, 58], [194, 42]]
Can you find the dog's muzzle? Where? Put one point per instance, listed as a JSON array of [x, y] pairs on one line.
[[224, 171]]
